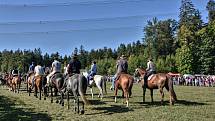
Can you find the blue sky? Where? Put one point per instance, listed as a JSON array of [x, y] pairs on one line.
[[62, 25]]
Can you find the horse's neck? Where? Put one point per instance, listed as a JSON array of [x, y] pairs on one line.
[[142, 72]]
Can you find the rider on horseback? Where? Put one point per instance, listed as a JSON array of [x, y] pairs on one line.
[[38, 71], [15, 72], [31, 68], [122, 67], [56, 68], [150, 70], [93, 72], [73, 67]]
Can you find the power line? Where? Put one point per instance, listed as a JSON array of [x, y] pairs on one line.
[[74, 3], [73, 30], [89, 19]]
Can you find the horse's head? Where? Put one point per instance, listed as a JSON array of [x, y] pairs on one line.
[[139, 73]]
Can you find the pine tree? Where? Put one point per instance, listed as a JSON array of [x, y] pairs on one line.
[[211, 10]]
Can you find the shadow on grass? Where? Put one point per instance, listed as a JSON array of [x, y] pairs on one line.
[[180, 102], [189, 103], [9, 112], [97, 102], [113, 109]]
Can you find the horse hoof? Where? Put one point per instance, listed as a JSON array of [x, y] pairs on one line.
[[44, 98], [57, 101], [51, 101], [82, 112]]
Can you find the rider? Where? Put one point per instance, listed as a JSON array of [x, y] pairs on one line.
[[93, 71], [73, 67], [122, 67], [56, 68], [15, 72], [31, 68], [38, 71], [150, 70]]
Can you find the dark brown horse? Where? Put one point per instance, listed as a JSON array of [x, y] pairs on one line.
[[157, 81], [124, 82]]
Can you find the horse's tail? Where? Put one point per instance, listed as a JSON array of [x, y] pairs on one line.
[[170, 84], [104, 84], [131, 81], [82, 84]]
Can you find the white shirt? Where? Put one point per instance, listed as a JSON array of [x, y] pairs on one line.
[[38, 70], [56, 66]]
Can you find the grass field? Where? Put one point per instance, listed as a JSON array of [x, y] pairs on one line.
[[195, 103]]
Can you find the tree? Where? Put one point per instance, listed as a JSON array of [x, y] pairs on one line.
[[189, 16], [188, 53], [211, 10], [207, 49]]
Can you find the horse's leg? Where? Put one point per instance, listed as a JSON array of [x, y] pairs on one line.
[[44, 92], [78, 105], [57, 98], [29, 91], [75, 108], [68, 99], [35, 91], [144, 93], [62, 98], [100, 92], [51, 95], [82, 111], [126, 96], [151, 90], [162, 95], [116, 90], [19, 85], [40, 88], [55, 92], [91, 89]]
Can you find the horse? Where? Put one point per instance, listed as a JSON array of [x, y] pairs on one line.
[[100, 82], [16, 83], [56, 81], [124, 82], [77, 85], [8, 78], [40, 82], [157, 81], [29, 85]]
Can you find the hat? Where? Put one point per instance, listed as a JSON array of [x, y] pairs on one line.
[[122, 56], [150, 59], [75, 55]]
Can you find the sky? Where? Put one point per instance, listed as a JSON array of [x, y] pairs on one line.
[[62, 25]]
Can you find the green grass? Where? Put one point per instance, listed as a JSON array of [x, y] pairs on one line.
[[195, 103]]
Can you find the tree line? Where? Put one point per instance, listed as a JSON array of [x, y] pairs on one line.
[[184, 46]]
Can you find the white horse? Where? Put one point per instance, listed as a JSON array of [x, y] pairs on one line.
[[100, 82]]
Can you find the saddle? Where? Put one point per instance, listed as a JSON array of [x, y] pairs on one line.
[[118, 75], [150, 77]]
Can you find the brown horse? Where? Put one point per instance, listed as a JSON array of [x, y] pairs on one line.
[[29, 83], [16, 83], [124, 82], [40, 86], [157, 81]]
